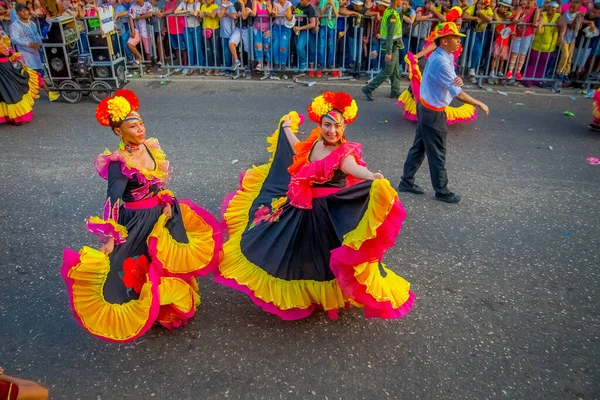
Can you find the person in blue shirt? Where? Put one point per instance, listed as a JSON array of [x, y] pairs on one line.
[[438, 87]]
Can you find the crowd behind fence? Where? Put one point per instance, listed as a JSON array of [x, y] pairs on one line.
[[233, 43], [352, 47]]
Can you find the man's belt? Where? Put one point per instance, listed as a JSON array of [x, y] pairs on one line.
[[430, 107]]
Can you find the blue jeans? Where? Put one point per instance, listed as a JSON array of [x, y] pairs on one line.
[[281, 44], [352, 51], [306, 42], [378, 62], [262, 45], [193, 37], [477, 50], [404, 51], [326, 41], [226, 52]]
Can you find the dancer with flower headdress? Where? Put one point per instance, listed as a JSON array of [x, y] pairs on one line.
[[154, 245], [17, 90], [308, 230], [410, 97]]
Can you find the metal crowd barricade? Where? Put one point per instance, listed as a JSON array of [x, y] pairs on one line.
[[351, 47]]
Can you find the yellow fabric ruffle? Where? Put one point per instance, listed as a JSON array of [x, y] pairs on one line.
[[179, 294], [118, 228], [283, 294], [464, 112], [118, 322], [408, 100], [25, 105], [392, 288], [184, 258], [381, 199]]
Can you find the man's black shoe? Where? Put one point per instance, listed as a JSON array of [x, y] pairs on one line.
[[448, 198], [416, 189], [367, 93], [594, 127]]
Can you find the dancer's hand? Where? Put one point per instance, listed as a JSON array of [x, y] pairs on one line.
[[458, 81], [168, 211], [108, 247], [377, 175], [287, 123], [484, 108]]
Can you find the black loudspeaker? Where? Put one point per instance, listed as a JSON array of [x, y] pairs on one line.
[[114, 73], [99, 46], [59, 61]]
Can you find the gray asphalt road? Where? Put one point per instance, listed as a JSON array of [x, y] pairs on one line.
[[507, 282]]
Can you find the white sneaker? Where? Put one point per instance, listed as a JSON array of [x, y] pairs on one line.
[[472, 72], [185, 71], [500, 75], [177, 70]]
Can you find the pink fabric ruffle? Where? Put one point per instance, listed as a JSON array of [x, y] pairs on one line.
[[102, 162], [320, 171], [71, 259], [106, 229], [217, 237], [344, 259], [182, 318], [23, 119]]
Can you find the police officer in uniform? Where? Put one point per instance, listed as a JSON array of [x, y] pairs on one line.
[[391, 43]]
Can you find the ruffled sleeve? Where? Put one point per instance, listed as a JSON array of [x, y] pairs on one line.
[[321, 171], [108, 225]]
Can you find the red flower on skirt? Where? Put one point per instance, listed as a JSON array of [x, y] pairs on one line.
[[261, 214], [136, 272]]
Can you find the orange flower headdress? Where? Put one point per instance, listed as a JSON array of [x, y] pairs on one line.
[[112, 111], [330, 101]]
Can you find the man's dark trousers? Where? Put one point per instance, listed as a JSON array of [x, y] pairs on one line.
[[430, 140]]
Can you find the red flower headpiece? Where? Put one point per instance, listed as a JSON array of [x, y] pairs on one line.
[[454, 14], [330, 101], [116, 109]]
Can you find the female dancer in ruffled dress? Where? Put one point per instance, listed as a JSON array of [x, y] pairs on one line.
[[308, 230], [17, 90], [155, 245], [409, 98]]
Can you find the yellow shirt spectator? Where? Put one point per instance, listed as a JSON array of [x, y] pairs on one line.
[[209, 22], [487, 11]]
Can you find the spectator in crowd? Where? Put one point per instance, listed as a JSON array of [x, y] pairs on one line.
[[53, 8], [12, 388], [504, 31], [592, 20], [482, 13], [139, 12], [243, 8], [306, 36], [261, 9], [329, 11], [544, 44], [190, 9], [228, 16], [391, 36], [527, 18], [357, 12], [159, 29], [4, 15], [424, 24], [282, 13], [212, 41], [25, 35], [409, 16], [39, 15], [122, 25], [568, 25], [176, 32], [373, 43]]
